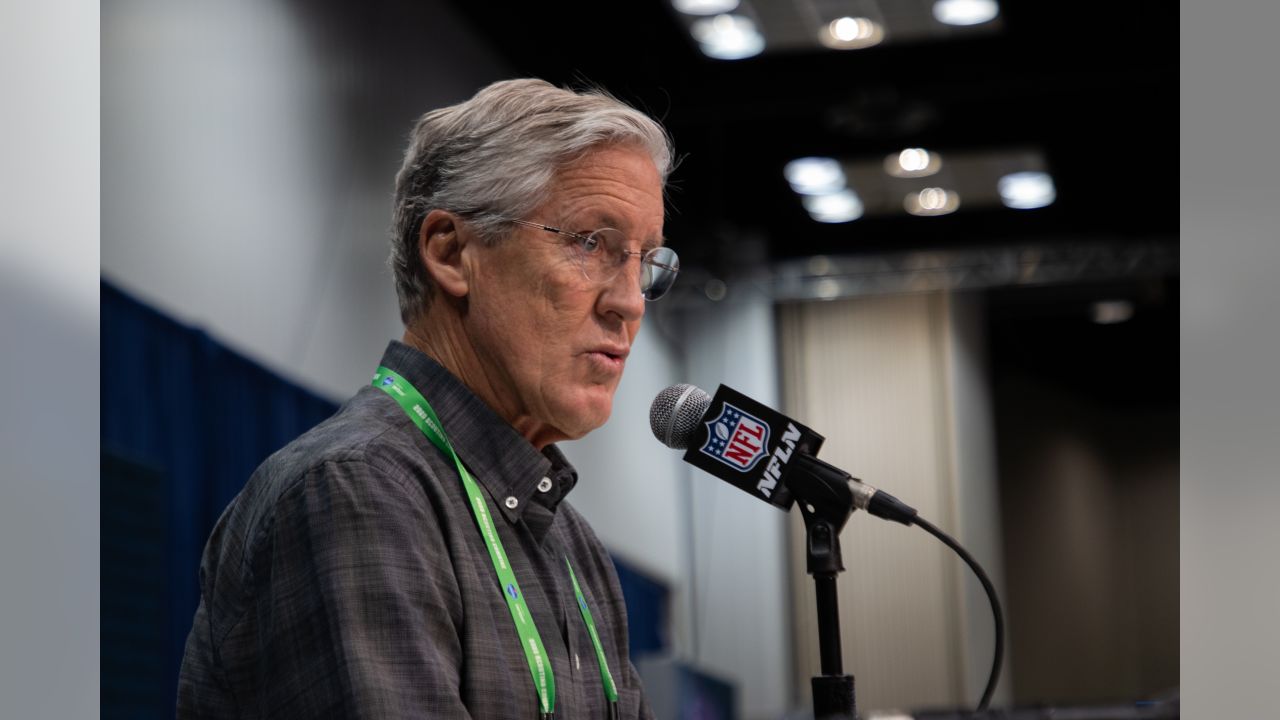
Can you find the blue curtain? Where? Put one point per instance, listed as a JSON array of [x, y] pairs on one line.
[[185, 421]]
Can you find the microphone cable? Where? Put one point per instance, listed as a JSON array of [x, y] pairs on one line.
[[991, 595], [887, 507]]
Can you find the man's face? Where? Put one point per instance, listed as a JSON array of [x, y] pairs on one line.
[[551, 342]]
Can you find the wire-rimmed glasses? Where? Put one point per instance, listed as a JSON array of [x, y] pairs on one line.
[[601, 254]]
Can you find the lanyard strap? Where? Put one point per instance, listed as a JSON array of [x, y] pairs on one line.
[[606, 677], [425, 418]]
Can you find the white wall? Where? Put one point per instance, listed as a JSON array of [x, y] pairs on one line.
[[743, 622], [49, 420], [248, 157]]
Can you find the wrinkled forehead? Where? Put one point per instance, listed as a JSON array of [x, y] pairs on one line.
[[613, 186]]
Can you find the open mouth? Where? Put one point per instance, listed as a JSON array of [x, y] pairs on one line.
[[608, 358]]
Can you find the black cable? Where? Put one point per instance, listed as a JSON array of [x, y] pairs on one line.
[[991, 594]]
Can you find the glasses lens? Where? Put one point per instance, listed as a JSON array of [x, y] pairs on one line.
[[601, 254], [658, 269]]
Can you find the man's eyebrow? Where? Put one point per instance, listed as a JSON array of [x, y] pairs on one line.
[[607, 220]]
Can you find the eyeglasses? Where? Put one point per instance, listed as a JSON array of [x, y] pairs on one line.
[[603, 253]]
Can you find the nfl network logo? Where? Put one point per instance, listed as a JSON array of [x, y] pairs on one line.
[[736, 438]]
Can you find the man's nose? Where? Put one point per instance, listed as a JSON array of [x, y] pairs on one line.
[[622, 295]]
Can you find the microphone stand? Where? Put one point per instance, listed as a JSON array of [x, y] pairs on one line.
[[827, 499]]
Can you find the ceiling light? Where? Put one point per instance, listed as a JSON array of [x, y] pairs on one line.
[[827, 289], [814, 175], [715, 289], [851, 33], [704, 7], [1027, 190], [820, 265], [1110, 312], [932, 201], [727, 37], [965, 12], [837, 207], [913, 162]]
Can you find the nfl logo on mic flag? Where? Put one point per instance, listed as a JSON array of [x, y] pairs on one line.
[[736, 438]]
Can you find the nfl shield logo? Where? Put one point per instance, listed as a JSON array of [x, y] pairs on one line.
[[736, 438]]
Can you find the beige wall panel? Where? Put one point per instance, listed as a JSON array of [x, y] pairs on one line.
[[868, 373]]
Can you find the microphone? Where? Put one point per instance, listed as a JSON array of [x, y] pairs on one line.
[[755, 448], [771, 456]]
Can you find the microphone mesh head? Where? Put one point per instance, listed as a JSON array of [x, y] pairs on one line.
[[675, 413]]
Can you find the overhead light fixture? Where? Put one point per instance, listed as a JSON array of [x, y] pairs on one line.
[[715, 289], [1027, 190], [727, 37], [1110, 312], [932, 201], [965, 12], [704, 7], [851, 33], [838, 207], [913, 162], [815, 175], [827, 289]]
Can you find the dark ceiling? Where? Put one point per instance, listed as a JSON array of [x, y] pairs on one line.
[[1098, 95]]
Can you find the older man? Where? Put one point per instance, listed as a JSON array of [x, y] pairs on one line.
[[414, 556]]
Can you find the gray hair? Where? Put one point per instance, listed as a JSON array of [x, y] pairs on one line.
[[494, 157]]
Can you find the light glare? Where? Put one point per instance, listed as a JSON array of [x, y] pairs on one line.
[[837, 207], [913, 162], [851, 33], [704, 7], [1027, 190], [727, 37], [1110, 312], [965, 12], [814, 175], [932, 201]]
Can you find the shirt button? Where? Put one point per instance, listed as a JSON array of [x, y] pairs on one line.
[[544, 485], [576, 665], [512, 502]]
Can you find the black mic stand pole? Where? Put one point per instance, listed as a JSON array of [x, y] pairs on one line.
[[826, 499]]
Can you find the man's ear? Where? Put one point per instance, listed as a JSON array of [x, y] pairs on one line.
[[440, 245]]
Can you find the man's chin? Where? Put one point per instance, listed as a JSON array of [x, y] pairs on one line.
[[587, 415]]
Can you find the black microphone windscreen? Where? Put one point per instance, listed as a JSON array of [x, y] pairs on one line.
[[675, 413]]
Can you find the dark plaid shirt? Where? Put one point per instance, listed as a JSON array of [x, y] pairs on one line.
[[349, 580]]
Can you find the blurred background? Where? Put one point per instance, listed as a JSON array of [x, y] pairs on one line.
[[943, 234]]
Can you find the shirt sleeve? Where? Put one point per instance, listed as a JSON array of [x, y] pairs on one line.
[[359, 612]]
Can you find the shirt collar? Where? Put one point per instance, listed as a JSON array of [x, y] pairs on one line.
[[505, 464]]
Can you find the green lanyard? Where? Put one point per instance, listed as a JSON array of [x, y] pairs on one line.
[[416, 407]]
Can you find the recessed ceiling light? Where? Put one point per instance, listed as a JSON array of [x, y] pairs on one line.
[[814, 175], [820, 265], [1110, 312], [727, 37], [837, 207], [965, 12], [715, 289], [913, 162], [827, 289], [851, 33], [1027, 190], [932, 201], [704, 7]]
